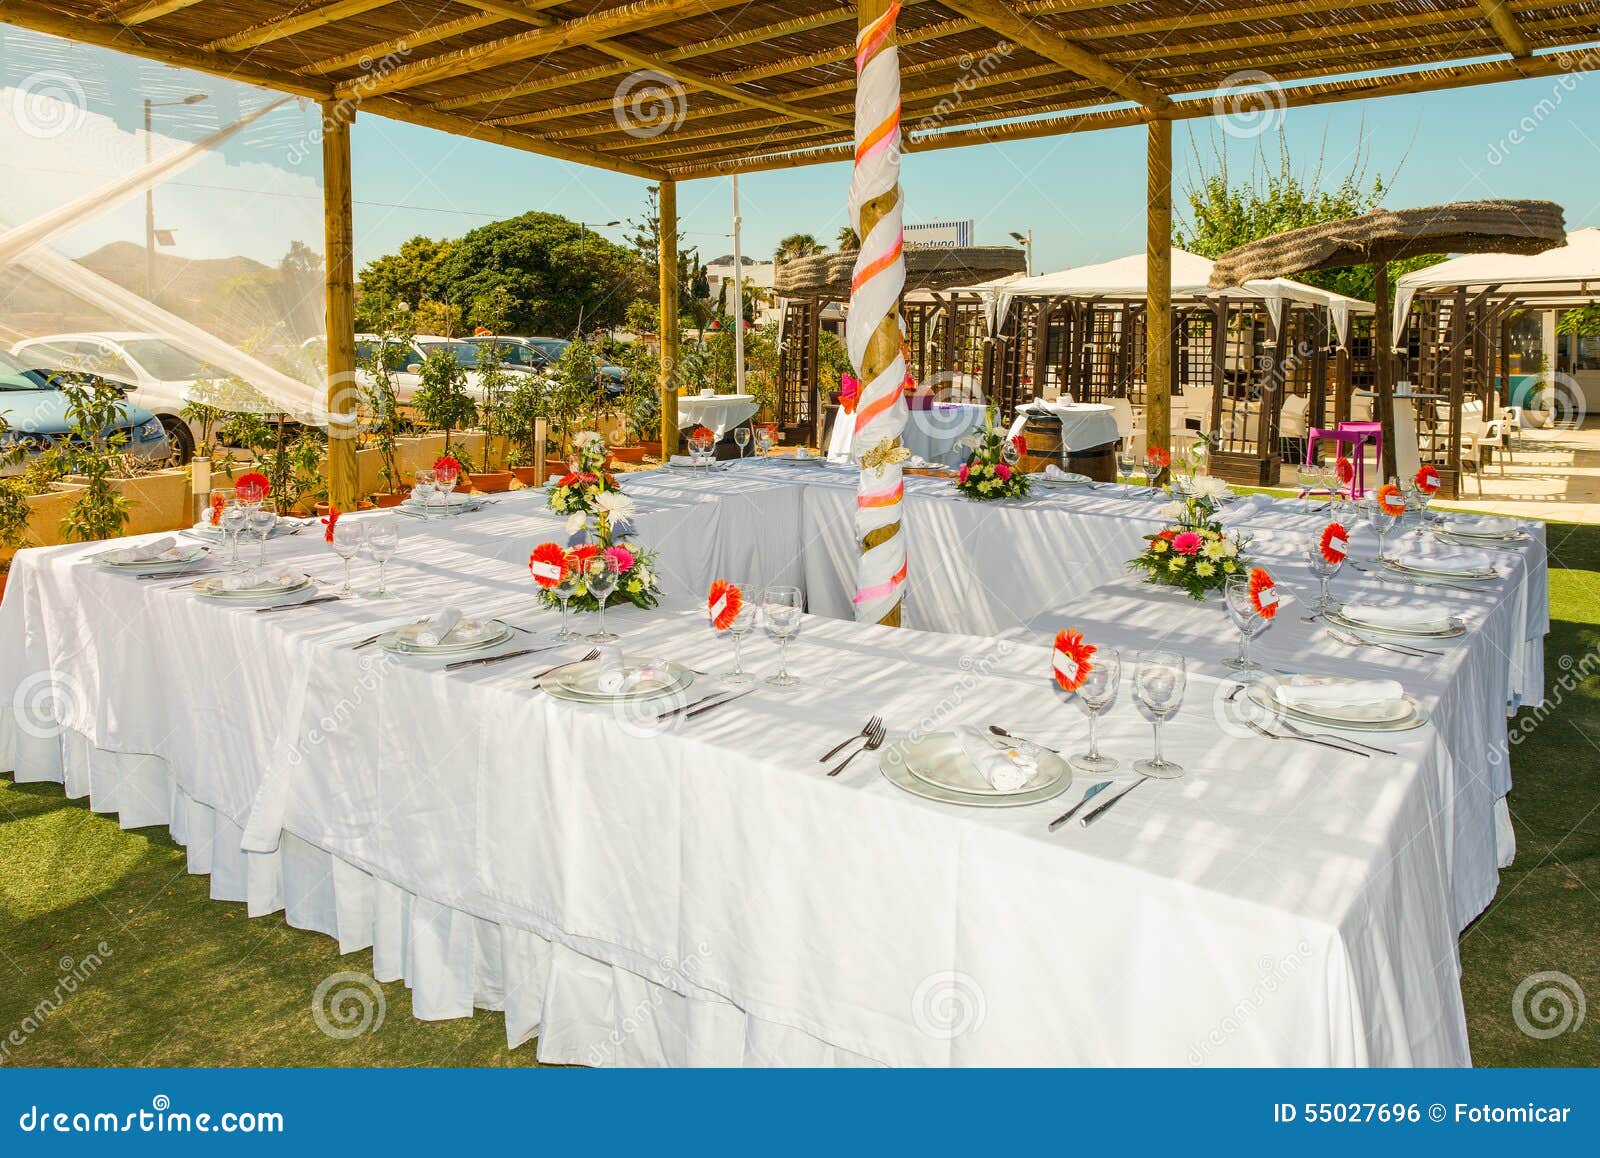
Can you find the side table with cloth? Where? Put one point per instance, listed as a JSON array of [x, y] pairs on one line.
[[634, 895], [1083, 424], [935, 433], [718, 413]]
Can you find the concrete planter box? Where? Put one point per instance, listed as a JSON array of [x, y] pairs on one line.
[[45, 513]]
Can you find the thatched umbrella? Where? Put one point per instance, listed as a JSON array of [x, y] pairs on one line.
[[1385, 235], [827, 275]]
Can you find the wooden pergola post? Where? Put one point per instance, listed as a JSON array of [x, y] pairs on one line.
[[1158, 289], [668, 260], [1383, 360], [339, 263]]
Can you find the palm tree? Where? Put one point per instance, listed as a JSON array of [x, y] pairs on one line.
[[847, 240], [797, 245]]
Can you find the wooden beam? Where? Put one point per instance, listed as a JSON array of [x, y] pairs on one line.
[[995, 15], [284, 26], [667, 256], [1506, 27], [339, 263], [146, 10], [585, 30], [1158, 287], [401, 45]]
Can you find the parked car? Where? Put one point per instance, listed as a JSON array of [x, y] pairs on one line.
[[35, 410], [157, 374], [404, 360], [543, 354]]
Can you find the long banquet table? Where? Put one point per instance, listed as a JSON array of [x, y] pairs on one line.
[[638, 894]]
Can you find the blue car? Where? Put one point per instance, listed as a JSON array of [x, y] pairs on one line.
[[35, 418]]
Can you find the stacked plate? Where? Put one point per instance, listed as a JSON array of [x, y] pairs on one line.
[[1064, 478], [1399, 622], [642, 679], [1379, 715], [204, 529], [1467, 530], [1465, 569], [262, 588], [441, 506], [468, 635], [936, 768], [174, 559]]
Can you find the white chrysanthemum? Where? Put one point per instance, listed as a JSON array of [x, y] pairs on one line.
[[576, 522], [1230, 547], [615, 504], [587, 438], [1214, 489], [1173, 510]]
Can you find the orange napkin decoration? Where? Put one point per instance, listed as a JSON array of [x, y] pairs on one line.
[[1391, 501], [1263, 593], [548, 563], [1335, 542], [724, 602], [1427, 480], [1069, 660]]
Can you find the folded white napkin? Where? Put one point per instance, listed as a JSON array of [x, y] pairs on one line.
[[1410, 617], [1462, 525], [436, 630], [1431, 553], [1245, 508], [250, 580], [614, 676], [1053, 471], [681, 460], [1306, 691], [144, 552], [1007, 767]]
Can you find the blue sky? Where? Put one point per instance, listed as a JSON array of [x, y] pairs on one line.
[[1083, 195]]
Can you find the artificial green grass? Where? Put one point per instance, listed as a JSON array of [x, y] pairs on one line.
[[192, 981]]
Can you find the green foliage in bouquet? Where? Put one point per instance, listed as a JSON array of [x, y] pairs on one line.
[[987, 474], [1194, 552]]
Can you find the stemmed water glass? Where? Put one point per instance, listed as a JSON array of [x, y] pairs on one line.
[[382, 541], [602, 575], [1096, 692], [1158, 684], [232, 521], [780, 615], [1324, 570], [1305, 477], [1242, 610], [423, 484], [744, 621], [741, 436], [346, 542], [1125, 464], [1380, 521], [566, 587], [1009, 454], [764, 439], [1152, 471], [262, 516]]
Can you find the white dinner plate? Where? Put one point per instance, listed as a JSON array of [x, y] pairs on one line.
[[271, 588], [579, 682], [1070, 479], [1399, 716], [940, 760], [176, 559], [1445, 530], [1469, 575], [1457, 627], [204, 530], [448, 499], [897, 759], [467, 635]]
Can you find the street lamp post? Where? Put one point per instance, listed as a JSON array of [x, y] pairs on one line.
[[150, 193], [583, 250], [1026, 241]]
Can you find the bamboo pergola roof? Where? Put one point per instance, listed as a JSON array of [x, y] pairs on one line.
[[745, 85], [827, 275]]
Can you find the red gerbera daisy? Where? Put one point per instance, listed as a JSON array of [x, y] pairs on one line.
[[1335, 542], [1156, 456], [1427, 480], [724, 602], [217, 503], [446, 469], [581, 555], [330, 522], [1069, 660], [1263, 593], [1345, 470], [548, 563], [1391, 501], [1020, 441], [252, 486]]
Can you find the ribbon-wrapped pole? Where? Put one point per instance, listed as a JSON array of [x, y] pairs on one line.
[[872, 331]]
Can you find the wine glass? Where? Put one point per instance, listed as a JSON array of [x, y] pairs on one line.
[[566, 587], [1096, 692], [232, 521], [262, 516], [1305, 476], [1380, 521], [1152, 471], [346, 541], [602, 575], [1125, 464], [764, 439], [780, 614], [382, 541], [1324, 572], [741, 436], [423, 484], [1250, 622], [1009, 454], [1158, 685], [744, 621]]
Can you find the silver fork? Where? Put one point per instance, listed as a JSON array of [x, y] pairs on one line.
[[594, 653], [866, 730], [1351, 639], [1259, 730], [874, 742], [1290, 728]]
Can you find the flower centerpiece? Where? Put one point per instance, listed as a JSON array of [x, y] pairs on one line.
[[1193, 552], [599, 522], [990, 472], [578, 491]]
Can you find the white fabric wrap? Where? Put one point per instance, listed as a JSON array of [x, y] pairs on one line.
[[434, 631]]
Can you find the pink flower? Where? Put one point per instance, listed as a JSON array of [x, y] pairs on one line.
[[1188, 543], [1002, 470], [622, 557], [961, 474]]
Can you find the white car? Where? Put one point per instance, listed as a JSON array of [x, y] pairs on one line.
[[404, 359], [159, 373]]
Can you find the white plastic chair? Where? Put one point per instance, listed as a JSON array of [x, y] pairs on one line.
[[1292, 426]]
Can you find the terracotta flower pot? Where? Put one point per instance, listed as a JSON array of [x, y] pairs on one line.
[[554, 468], [491, 482], [386, 499], [628, 454], [651, 448], [526, 475]]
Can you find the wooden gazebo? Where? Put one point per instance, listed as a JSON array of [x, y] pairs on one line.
[[771, 84]]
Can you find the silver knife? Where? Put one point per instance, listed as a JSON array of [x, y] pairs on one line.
[[1094, 790], [1094, 815], [488, 659], [689, 711], [302, 603]]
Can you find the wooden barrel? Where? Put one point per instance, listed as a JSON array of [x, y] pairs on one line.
[[1042, 433]]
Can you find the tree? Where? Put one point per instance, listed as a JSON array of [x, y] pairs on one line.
[[411, 274], [1224, 213], [847, 241], [797, 245], [645, 239]]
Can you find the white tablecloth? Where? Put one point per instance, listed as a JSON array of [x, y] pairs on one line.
[[935, 435], [1083, 424], [719, 413], [705, 895]]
